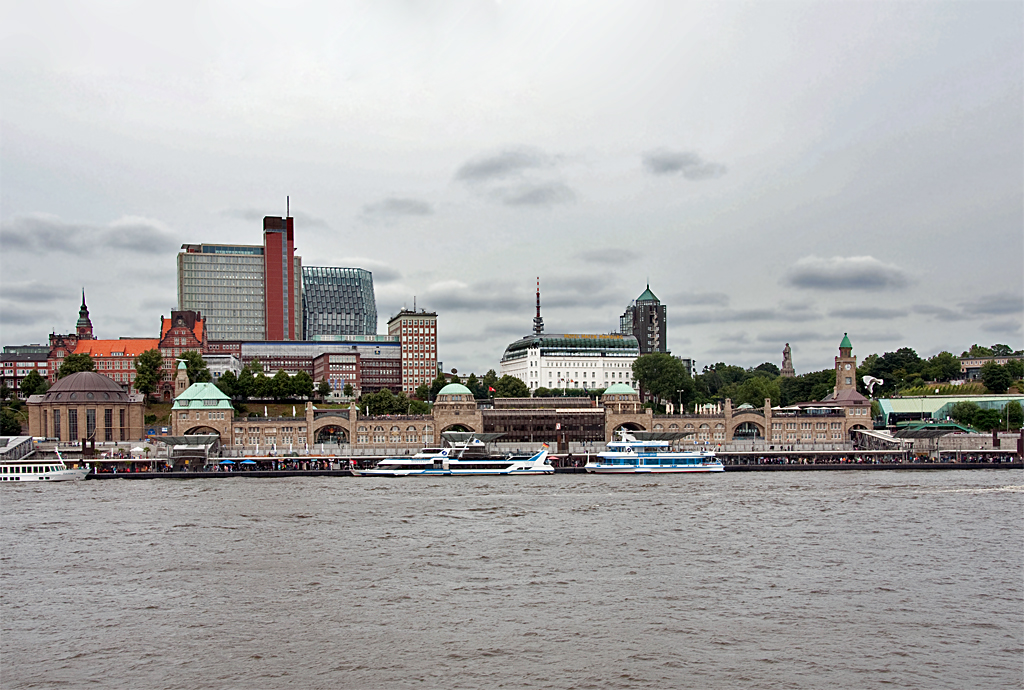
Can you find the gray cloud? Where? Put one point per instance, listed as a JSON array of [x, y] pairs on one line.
[[255, 215], [33, 292], [703, 299], [1000, 303], [1009, 327], [729, 315], [845, 273], [783, 337], [15, 315], [456, 296], [868, 313], [940, 313], [382, 272], [611, 256], [501, 165], [396, 207], [520, 177], [535, 194], [684, 163], [45, 234]]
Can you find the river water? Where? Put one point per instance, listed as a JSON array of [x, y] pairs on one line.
[[910, 579]]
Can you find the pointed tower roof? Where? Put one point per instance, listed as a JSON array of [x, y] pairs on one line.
[[647, 296], [83, 313], [846, 342]]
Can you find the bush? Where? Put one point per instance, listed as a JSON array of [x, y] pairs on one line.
[[150, 419]]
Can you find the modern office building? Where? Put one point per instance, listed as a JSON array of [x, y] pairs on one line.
[[417, 332], [337, 301], [247, 292], [647, 321], [379, 360]]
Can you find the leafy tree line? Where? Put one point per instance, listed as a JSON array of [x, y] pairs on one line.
[[1010, 417]]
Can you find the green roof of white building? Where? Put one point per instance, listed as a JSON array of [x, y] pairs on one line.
[[202, 395], [455, 389]]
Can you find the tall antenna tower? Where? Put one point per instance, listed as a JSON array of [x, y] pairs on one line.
[[538, 322]]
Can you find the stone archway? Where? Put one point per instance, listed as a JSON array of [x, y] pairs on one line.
[[202, 431], [748, 431], [854, 429], [458, 427], [630, 426], [331, 433]]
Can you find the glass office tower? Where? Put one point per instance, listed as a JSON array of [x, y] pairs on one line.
[[337, 301]]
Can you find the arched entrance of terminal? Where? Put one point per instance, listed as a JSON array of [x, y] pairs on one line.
[[202, 431], [458, 427], [854, 429], [629, 426], [332, 433], [747, 431]]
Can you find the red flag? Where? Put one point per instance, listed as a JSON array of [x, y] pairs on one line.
[[491, 390]]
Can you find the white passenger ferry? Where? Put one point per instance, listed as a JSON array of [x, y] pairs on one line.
[[630, 455], [466, 456], [45, 470]]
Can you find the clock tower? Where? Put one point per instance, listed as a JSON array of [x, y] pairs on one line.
[[846, 367]]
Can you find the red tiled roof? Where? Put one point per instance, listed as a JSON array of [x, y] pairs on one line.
[[104, 348]]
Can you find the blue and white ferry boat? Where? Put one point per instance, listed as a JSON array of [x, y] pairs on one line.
[[466, 456], [630, 455]]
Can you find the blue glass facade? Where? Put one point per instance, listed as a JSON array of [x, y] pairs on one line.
[[337, 301]]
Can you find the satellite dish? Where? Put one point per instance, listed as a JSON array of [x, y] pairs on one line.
[[871, 382]]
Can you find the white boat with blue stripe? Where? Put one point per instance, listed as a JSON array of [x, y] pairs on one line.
[[466, 455], [638, 452]]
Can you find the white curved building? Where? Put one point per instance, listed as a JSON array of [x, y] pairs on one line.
[[571, 360]]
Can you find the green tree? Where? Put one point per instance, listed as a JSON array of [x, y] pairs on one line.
[[228, 384], [1012, 416], [33, 383], [10, 425], [323, 389], [768, 368], [281, 385], [943, 367], [987, 420], [995, 377], [302, 385], [1016, 369], [965, 412], [489, 381], [1000, 350], [149, 367], [757, 389], [419, 407], [473, 384], [977, 351], [5, 391], [813, 385], [437, 384], [348, 390], [262, 387], [509, 386], [75, 363], [663, 376], [196, 367], [543, 392], [422, 391]]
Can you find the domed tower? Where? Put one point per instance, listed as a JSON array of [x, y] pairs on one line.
[[846, 366], [84, 325]]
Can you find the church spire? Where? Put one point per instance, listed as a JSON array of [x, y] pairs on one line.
[[84, 325]]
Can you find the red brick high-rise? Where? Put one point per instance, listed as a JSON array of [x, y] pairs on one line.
[[282, 282]]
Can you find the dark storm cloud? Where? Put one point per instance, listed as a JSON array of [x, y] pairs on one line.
[[684, 163], [395, 207], [845, 273], [1000, 303], [609, 257], [256, 215], [501, 165], [868, 313], [43, 234], [535, 194]]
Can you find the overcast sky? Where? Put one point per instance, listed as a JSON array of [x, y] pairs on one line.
[[779, 171]]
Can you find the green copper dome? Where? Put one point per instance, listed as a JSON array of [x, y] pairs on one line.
[[455, 389], [619, 389], [846, 342]]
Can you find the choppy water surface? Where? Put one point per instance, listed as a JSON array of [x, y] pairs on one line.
[[775, 580]]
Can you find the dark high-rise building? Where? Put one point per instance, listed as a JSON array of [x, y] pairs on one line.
[[337, 301], [646, 320]]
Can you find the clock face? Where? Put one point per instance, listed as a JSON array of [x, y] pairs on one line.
[[847, 367]]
